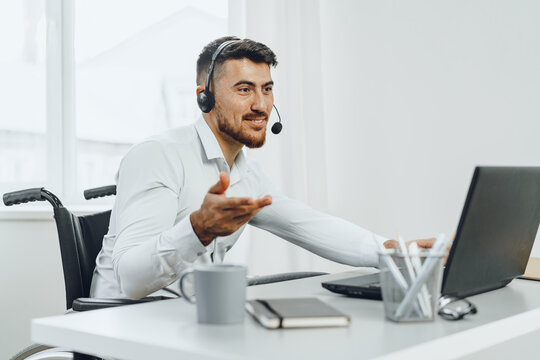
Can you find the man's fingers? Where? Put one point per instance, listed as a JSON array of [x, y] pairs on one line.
[[236, 203], [242, 219], [264, 201], [425, 243], [222, 185], [239, 220], [246, 212], [244, 205], [223, 215], [391, 244]]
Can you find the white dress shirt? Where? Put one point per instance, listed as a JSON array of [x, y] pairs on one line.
[[162, 180]]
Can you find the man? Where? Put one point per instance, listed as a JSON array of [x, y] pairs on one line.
[[165, 219]]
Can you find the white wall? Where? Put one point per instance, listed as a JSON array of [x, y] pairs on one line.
[[388, 106], [417, 93], [30, 276]]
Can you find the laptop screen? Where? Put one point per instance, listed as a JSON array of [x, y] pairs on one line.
[[496, 231]]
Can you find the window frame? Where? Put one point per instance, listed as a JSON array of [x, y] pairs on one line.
[[60, 85], [60, 99]]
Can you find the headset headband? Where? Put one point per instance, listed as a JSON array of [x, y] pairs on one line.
[[222, 46]]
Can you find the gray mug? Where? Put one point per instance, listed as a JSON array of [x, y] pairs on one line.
[[220, 293]]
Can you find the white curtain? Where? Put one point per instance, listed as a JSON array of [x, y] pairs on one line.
[[387, 107], [295, 159]]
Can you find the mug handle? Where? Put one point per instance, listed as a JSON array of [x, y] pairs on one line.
[[188, 298]]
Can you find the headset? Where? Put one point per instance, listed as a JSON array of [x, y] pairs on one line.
[[205, 98]]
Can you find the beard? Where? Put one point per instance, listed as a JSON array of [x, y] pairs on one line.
[[237, 133]]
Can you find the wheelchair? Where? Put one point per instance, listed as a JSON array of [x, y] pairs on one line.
[[80, 239]]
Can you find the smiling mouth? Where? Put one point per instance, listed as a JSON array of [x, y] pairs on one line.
[[257, 122]]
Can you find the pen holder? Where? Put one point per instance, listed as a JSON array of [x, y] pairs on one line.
[[410, 285]]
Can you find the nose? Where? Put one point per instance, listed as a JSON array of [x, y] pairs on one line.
[[259, 103]]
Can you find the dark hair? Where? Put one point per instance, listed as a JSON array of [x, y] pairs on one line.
[[240, 49]]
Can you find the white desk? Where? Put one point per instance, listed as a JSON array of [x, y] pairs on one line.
[[507, 324]]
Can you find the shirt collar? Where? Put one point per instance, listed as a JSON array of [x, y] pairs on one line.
[[208, 140], [213, 150]]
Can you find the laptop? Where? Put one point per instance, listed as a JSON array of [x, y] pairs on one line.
[[494, 238]]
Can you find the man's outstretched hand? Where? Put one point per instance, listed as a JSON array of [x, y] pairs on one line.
[[220, 215]]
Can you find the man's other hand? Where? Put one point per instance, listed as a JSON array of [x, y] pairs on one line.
[[220, 215], [422, 243]]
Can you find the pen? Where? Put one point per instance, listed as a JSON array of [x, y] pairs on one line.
[[412, 274], [391, 265], [427, 268], [417, 264], [396, 274]]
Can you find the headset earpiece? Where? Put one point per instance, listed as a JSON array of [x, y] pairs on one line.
[[206, 102], [205, 99]]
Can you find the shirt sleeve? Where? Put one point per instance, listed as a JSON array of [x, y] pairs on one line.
[[150, 249], [328, 236]]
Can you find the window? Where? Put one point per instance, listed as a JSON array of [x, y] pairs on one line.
[[135, 74], [22, 90], [117, 72]]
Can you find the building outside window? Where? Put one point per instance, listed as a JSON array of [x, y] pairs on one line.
[[133, 75], [22, 93]]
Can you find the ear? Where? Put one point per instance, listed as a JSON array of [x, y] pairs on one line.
[[199, 89]]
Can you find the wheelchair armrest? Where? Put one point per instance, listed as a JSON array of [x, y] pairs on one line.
[[268, 279], [85, 304]]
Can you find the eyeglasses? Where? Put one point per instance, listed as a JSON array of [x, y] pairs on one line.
[[453, 308]]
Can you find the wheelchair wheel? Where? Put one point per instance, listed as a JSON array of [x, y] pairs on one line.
[[28, 351], [42, 352]]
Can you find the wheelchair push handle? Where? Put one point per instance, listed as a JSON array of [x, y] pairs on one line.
[[30, 195], [100, 192], [22, 196]]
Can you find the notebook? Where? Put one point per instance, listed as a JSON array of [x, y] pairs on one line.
[[532, 272], [295, 313], [494, 238]]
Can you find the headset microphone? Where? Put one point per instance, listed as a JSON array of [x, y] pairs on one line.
[[276, 128]]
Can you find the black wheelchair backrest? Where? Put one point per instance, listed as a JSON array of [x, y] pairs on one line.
[[81, 238]]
